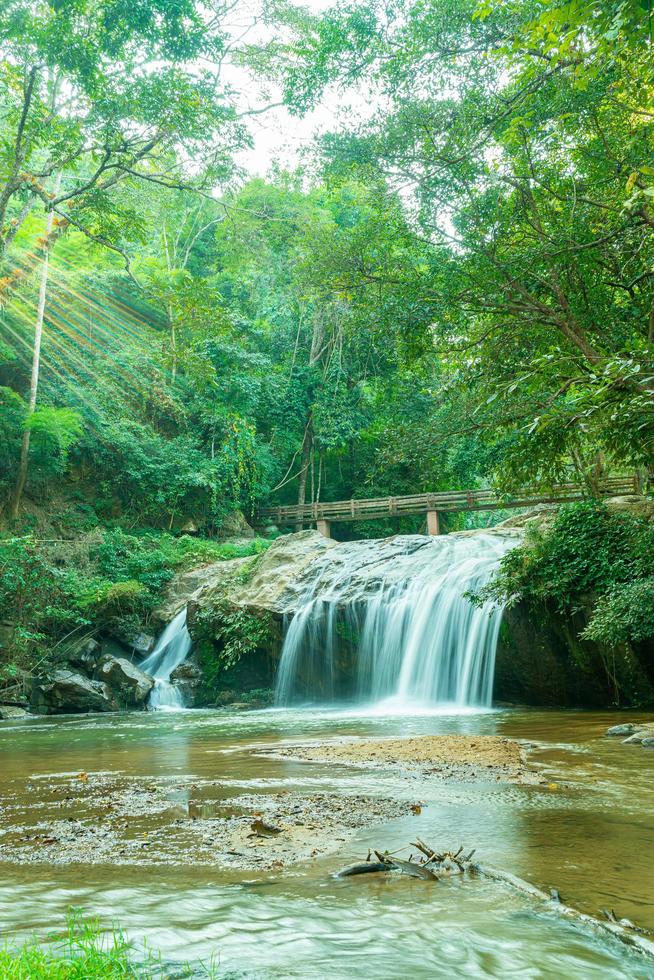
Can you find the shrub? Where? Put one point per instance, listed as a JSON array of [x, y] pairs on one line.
[[35, 597], [588, 553], [624, 614]]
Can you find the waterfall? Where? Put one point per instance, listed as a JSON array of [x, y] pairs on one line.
[[390, 618], [172, 649]]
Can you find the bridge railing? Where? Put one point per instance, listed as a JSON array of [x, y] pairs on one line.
[[375, 508]]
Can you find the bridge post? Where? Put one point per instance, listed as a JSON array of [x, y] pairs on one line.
[[433, 522], [324, 527]]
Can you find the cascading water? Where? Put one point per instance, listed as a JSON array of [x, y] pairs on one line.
[[171, 650], [399, 607]]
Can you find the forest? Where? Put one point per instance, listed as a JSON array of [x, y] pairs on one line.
[[445, 284], [453, 289]]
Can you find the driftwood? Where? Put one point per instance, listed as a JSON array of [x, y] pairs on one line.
[[407, 867], [621, 929], [365, 868], [434, 865]]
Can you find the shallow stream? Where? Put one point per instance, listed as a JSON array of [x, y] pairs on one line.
[[588, 831]]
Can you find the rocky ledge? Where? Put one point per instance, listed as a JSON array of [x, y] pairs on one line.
[[107, 683]]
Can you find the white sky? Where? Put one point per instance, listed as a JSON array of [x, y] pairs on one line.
[[279, 137]]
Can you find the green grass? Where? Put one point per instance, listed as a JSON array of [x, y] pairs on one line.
[[86, 952]]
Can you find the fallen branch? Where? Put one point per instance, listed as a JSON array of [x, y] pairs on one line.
[[436, 865]]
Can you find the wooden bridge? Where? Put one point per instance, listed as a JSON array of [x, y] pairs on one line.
[[432, 505]]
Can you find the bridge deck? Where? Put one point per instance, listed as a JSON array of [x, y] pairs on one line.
[[441, 502]]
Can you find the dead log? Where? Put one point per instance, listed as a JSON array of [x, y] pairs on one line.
[[408, 867], [367, 867]]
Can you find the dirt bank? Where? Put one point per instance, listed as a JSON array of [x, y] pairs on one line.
[[468, 757]]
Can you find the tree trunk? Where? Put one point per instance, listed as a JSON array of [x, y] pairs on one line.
[[21, 479], [307, 445]]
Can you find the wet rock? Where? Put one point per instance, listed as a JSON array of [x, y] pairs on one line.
[[143, 643], [9, 712], [637, 733], [131, 686], [84, 654], [627, 729], [187, 678], [65, 691]]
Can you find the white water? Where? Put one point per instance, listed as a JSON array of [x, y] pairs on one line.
[[171, 650], [401, 604]]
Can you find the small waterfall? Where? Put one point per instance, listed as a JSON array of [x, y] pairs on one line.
[[391, 616], [171, 650]]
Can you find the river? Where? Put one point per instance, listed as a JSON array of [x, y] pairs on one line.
[[588, 831]]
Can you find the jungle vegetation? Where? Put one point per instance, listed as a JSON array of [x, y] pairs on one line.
[[454, 289]]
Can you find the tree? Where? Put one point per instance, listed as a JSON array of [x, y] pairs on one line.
[[21, 479], [103, 93], [525, 133]]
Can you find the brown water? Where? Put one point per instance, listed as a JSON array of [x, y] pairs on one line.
[[590, 834]]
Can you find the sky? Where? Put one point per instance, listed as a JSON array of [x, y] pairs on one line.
[[278, 136]]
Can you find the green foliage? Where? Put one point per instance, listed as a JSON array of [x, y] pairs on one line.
[[625, 614], [237, 632], [35, 597], [12, 416], [54, 431], [111, 601], [48, 591], [587, 555], [529, 125], [127, 70], [85, 952]]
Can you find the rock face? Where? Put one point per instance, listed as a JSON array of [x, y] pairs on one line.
[[184, 586], [131, 686], [278, 576], [541, 660], [268, 581], [67, 692], [84, 655]]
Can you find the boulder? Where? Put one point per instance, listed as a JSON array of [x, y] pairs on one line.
[[267, 582], [143, 643], [634, 739], [234, 525], [66, 691], [185, 585], [627, 729], [10, 712], [130, 685], [84, 654], [187, 678]]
